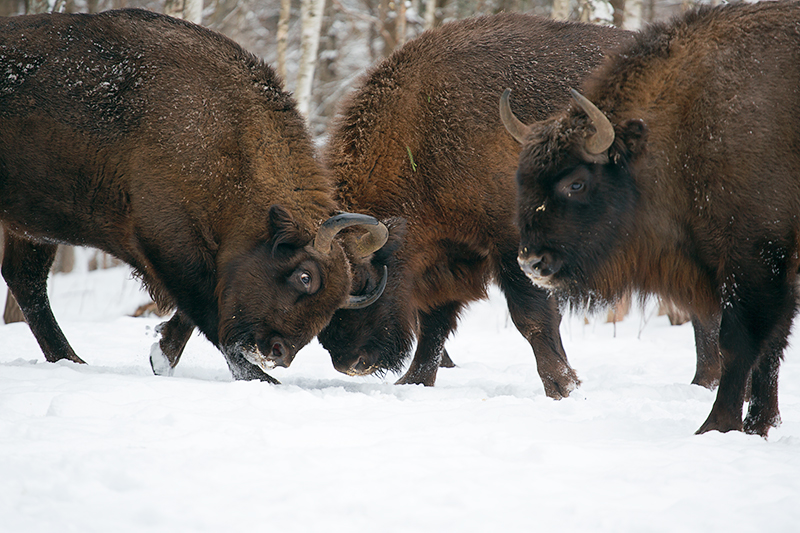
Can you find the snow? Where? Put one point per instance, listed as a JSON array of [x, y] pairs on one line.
[[108, 446]]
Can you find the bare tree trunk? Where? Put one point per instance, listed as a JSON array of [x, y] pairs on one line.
[[401, 22], [12, 312], [311, 20], [430, 14], [65, 260], [173, 8], [560, 10], [191, 10], [634, 12], [37, 6], [283, 33]]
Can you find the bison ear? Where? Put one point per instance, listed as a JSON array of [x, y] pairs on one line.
[[285, 231], [633, 134]]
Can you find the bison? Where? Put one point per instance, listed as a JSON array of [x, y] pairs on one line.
[[675, 172], [419, 145], [170, 147]]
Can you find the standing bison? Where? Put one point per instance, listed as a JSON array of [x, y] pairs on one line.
[[420, 146], [170, 147], [678, 174]]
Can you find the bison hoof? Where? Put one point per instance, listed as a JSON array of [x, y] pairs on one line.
[[721, 424], [159, 362], [760, 422], [446, 362], [417, 378], [707, 382], [562, 386]]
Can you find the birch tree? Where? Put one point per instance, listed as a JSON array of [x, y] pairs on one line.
[[430, 14], [560, 10], [191, 10], [311, 24], [282, 37], [633, 13], [401, 22]]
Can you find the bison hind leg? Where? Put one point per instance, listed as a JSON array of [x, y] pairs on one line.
[[446, 361], [709, 358], [762, 412], [26, 265]]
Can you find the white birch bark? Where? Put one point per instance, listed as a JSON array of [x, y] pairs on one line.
[[632, 15], [560, 10], [401, 22], [283, 35], [430, 14], [193, 11], [311, 21]]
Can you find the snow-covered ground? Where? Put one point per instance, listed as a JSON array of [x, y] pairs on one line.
[[108, 447]]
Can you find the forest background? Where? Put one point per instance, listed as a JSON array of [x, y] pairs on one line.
[[322, 47]]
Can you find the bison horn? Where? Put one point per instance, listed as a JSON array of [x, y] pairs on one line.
[[515, 126], [359, 302], [604, 136], [373, 240]]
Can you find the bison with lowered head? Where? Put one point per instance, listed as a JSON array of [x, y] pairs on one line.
[[419, 144], [170, 147], [677, 173]]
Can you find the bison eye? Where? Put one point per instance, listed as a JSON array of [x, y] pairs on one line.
[[575, 183], [305, 278]]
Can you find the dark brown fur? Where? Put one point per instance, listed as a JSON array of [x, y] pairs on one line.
[[421, 141], [698, 198], [170, 147]]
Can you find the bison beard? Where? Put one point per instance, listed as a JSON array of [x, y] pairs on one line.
[[693, 195], [420, 140], [170, 147]]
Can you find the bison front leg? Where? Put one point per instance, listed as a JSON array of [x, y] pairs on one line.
[[536, 316], [175, 333], [25, 268], [709, 359], [434, 327]]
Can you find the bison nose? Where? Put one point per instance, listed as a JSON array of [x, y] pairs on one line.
[[362, 366], [538, 267], [279, 354]]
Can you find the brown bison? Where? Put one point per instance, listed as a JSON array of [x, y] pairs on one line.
[[170, 147], [676, 173], [420, 146]]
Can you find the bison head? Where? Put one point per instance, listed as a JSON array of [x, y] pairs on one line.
[[576, 197], [379, 338], [275, 297]]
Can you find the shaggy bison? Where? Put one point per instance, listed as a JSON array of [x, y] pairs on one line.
[[420, 146], [170, 147], [676, 173]]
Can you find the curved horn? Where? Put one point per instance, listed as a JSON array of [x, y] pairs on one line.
[[604, 136], [515, 126], [360, 302], [376, 236]]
